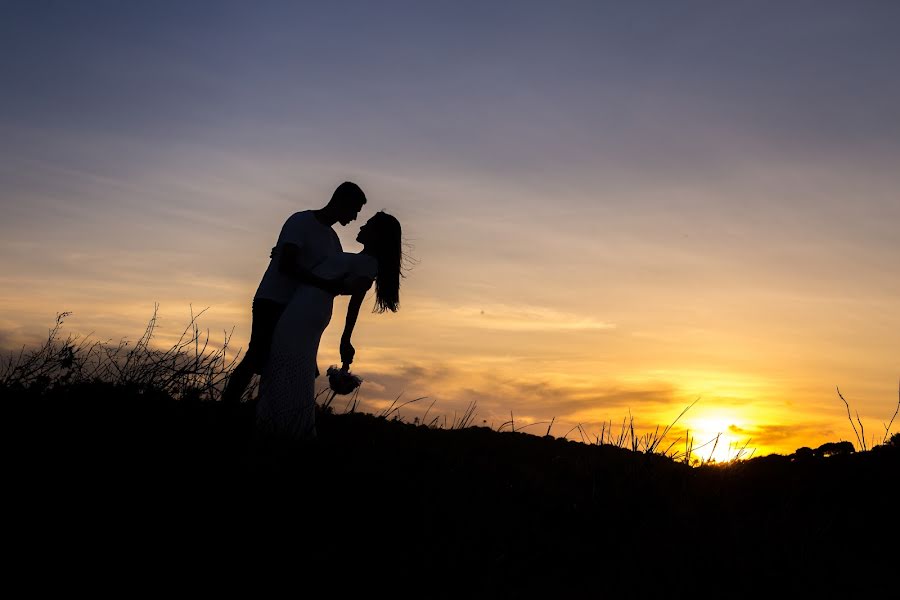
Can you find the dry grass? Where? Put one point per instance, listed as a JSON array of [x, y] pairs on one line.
[[189, 369], [861, 432], [193, 369]]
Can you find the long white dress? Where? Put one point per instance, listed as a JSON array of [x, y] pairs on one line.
[[287, 395]]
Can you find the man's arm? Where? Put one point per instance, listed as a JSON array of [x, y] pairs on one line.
[[290, 266]]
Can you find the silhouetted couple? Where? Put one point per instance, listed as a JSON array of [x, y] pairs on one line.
[[294, 301]]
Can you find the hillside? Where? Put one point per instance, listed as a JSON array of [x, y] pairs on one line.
[[468, 511]]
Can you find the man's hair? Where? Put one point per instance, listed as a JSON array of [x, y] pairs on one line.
[[348, 192]]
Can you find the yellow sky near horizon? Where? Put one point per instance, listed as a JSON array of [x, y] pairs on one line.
[[624, 329]]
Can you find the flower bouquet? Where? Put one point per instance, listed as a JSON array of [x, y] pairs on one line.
[[341, 380]]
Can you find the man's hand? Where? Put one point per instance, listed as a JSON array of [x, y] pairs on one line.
[[348, 286], [355, 284], [347, 352], [335, 287]]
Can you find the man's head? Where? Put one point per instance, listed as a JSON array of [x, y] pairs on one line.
[[346, 202]]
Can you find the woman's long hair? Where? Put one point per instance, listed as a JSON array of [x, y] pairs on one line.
[[389, 254]]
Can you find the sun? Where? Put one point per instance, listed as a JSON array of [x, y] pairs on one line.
[[717, 437]]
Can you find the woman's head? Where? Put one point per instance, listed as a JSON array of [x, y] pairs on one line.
[[381, 237]]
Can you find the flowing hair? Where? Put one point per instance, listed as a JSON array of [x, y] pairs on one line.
[[389, 254]]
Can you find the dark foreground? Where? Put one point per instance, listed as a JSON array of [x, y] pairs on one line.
[[115, 490]]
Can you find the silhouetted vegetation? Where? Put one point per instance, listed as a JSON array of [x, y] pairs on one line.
[[141, 460]]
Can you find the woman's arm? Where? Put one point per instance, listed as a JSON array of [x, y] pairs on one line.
[[347, 349]]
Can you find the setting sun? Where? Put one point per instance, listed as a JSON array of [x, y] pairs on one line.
[[718, 437]]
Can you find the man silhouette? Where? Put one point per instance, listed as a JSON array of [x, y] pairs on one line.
[[306, 238]]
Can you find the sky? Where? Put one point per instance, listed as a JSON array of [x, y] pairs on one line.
[[611, 210]]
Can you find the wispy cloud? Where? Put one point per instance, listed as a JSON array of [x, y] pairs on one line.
[[510, 317]]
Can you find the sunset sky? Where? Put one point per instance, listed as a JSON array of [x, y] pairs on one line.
[[611, 208]]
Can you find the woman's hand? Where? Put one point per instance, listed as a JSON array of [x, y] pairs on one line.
[[347, 351]]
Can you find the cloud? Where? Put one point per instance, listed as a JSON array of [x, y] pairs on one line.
[[501, 391], [531, 318], [792, 435], [497, 391], [511, 317], [6, 340]]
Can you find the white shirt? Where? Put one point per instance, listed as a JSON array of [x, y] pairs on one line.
[[316, 243]]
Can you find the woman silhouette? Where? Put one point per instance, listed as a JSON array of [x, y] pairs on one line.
[[286, 406]]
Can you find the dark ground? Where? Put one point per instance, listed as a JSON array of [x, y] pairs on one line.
[[106, 485]]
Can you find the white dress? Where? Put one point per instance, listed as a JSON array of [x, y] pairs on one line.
[[287, 395]]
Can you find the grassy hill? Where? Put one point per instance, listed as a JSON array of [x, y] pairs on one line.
[[392, 507], [124, 475]]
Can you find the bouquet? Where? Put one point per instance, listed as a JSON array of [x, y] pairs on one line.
[[341, 380]]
